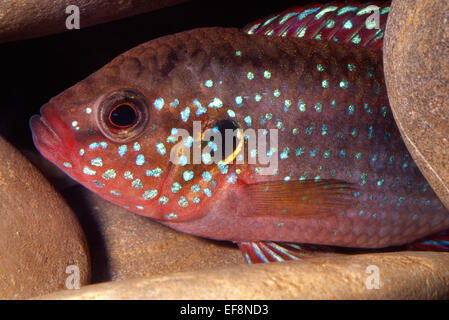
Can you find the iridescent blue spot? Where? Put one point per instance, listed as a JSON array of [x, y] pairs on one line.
[[149, 194], [307, 12], [231, 113], [327, 154], [128, 175], [185, 114], [206, 158], [207, 176], [320, 14], [171, 216], [370, 132], [160, 148], [109, 174], [122, 150], [309, 129], [267, 74], [163, 200], [136, 146], [174, 104], [200, 109], [356, 39], [209, 83], [342, 153], [238, 100], [232, 178], [115, 193], [248, 121], [223, 167], [250, 76], [325, 84], [158, 103], [67, 164], [137, 184], [216, 103], [346, 10], [299, 151], [313, 152], [183, 202], [351, 109], [188, 175], [287, 104], [207, 192], [183, 160], [324, 130], [344, 84], [276, 93], [176, 187], [140, 159], [88, 171], [156, 172], [284, 153], [348, 24]]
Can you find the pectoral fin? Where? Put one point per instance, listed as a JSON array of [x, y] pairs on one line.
[[308, 198]]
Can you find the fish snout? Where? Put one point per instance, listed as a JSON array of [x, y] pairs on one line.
[[51, 135]]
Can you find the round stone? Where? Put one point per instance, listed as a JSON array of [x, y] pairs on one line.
[[416, 60], [42, 246]]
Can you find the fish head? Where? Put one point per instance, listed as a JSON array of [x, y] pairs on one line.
[[122, 133]]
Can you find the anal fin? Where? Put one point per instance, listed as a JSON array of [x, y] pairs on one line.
[[268, 251]]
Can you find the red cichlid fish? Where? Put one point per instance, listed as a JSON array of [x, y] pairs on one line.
[[335, 171]]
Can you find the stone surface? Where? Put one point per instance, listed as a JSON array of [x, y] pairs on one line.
[[416, 59], [39, 234], [125, 245], [411, 275], [21, 19]]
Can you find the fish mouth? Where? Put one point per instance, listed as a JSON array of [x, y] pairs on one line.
[[46, 137]]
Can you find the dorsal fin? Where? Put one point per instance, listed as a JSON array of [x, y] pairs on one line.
[[335, 21]]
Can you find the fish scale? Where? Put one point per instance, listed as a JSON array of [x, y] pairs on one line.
[[344, 176]]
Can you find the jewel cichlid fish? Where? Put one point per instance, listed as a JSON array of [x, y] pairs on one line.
[[316, 157]]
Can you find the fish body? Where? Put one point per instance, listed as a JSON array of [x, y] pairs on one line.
[[338, 172]]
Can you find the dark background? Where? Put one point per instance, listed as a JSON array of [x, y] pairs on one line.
[[33, 71]]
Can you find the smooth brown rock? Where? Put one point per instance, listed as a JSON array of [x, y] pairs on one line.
[[406, 275], [39, 234], [416, 59], [125, 245], [21, 19]]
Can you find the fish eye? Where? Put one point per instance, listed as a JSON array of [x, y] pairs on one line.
[[123, 115]]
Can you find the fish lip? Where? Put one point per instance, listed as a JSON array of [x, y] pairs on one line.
[[45, 138]]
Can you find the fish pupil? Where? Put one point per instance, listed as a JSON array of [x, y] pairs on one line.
[[123, 115]]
